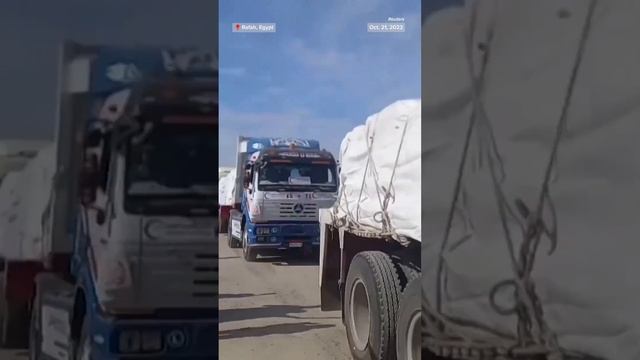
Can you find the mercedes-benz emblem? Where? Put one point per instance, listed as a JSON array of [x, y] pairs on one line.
[[176, 339], [298, 208]]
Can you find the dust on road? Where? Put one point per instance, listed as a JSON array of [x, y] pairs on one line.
[[270, 309]]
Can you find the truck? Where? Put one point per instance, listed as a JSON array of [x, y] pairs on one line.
[[281, 184], [126, 260], [370, 263]]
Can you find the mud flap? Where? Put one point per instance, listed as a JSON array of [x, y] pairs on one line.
[[55, 299], [330, 264]]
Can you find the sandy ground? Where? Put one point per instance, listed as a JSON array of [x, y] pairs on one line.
[[270, 309]]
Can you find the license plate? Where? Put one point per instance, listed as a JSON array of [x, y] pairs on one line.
[[295, 244]]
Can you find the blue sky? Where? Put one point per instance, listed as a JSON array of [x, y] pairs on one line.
[[319, 75]]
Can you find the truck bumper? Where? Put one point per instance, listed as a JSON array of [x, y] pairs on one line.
[[284, 246], [281, 236], [178, 339]]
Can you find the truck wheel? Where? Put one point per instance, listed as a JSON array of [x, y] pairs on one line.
[[249, 253], [371, 305], [409, 273], [15, 325], [408, 331], [230, 241]]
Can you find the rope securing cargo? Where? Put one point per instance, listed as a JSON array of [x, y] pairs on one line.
[[446, 334], [369, 204]]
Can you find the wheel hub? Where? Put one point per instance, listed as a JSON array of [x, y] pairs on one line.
[[360, 319], [414, 337]]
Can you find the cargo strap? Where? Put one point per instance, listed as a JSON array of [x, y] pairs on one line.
[[385, 197], [534, 335]]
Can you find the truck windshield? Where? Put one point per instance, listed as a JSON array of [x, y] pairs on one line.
[[174, 160], [274, 176]]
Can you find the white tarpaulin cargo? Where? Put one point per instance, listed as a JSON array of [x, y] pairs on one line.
[[225, 189], [584, 274], [223, 171], [24, 196], [380, 173]]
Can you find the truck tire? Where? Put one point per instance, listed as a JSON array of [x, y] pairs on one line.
[[15, 325], [408, 273], [248, 253], [408, 327], [371, 305]]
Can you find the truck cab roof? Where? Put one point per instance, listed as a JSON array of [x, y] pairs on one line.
[[294, 154]]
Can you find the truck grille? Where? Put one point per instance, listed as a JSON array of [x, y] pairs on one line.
[[294, 210], [170, 275]]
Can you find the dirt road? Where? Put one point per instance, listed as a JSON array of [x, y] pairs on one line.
[[270, 309]]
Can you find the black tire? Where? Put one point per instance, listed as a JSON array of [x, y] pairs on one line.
[[248, 253], [372, 276], [408, 327], [15, 325], [408, 273]]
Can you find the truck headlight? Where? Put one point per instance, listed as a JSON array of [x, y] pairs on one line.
[[151, 341], [274, 230], [132, 341]]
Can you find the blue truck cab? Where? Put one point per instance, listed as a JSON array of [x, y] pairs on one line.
[[282, 184], [134, 205]]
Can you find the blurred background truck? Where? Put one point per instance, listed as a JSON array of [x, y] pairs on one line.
[[109, 235]]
